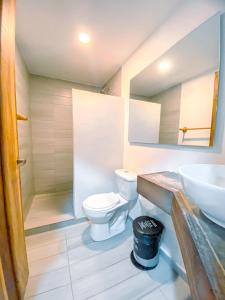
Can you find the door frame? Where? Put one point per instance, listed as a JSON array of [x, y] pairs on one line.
[[14, 259]]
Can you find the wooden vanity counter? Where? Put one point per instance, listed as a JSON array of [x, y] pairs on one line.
[[201, 241]]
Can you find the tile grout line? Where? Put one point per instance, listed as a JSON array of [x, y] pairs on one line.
[[29, 249], [99, 253], [46, 244], [92, 256], [32, 248], [105, 267], [158, 288], [58, 287], [85, 276], [163, 293], [33, 261], [69, 268], [139, 298], [112, 286], [48, 272], [128, 278], [59, 268], [152, 291]]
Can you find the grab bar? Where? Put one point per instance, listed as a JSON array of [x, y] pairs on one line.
[[185, 129]]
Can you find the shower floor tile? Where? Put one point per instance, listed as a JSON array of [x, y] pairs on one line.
[[49, 209]]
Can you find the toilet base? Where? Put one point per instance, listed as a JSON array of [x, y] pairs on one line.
[[101, 232]]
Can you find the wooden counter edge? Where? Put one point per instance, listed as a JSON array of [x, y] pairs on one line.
[[198, 280]]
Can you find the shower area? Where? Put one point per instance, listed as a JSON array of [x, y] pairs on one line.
[[68, 153], [46, 144]]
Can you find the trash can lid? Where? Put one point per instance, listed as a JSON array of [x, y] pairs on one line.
[[145, 226]]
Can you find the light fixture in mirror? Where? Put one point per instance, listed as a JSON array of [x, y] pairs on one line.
[[173, 100]]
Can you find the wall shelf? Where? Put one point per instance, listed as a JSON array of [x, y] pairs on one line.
[[21, 117], [21, 162]]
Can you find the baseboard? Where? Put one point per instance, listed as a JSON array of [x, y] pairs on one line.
[[175, 266]]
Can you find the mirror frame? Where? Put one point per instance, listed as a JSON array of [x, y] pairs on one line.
[[214, 109]]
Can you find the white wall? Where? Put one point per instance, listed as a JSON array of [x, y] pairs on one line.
[[24, 131], [196, 106], [150, 158], [52, 133], [144, 158], [98, 144]]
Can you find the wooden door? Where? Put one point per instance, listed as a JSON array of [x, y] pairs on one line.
[[8, 288], [13, 267]]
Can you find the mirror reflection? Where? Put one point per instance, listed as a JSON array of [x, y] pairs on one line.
[[173, 100]]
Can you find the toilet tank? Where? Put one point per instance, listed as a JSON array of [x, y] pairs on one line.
[[127, 184]]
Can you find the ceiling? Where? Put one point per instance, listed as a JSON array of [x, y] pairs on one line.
[[194, 55], [46, 32]]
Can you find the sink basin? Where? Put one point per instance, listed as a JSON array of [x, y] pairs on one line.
[[204, 184]]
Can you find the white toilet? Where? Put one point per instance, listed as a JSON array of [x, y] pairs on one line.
[[108, 212]]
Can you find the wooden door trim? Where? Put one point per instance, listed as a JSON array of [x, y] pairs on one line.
[[7, 276], [9, 149], [3, 288], [214, 109]]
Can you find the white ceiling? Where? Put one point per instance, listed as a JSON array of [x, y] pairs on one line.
[[196, 54], [47, 32]]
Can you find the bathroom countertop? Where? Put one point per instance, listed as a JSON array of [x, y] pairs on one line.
[[167, 180], [208, 237]]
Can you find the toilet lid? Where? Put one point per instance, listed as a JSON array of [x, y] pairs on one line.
[[101, 201]]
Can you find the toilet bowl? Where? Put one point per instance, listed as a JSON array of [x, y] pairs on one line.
[[108, 212]]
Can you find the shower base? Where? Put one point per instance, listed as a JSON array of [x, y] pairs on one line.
[[49, 209]]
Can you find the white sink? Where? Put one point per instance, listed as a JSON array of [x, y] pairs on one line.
[[204, 184]]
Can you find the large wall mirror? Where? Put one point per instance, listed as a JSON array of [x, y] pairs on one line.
[[174, 99]]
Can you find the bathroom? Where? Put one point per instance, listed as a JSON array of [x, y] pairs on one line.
[[120, 120]]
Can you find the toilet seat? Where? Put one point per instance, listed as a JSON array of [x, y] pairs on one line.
[[101, 202]]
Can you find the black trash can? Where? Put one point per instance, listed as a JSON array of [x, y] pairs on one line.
[[147, 233]]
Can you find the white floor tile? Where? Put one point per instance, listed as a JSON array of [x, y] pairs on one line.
[[102, 280], [155, 295], [47, 281], [79, 236], [89, 249], [98, 262], [48, 264], [176, 289], [46, 250], [62, 293], [132, 288], [162, 273], [139, 285], [77, 230], [95, 270], [45, 238]]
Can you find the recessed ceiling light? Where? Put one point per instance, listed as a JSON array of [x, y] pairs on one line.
[[84, 37], [165, 65]]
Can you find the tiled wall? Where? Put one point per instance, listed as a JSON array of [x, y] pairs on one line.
[[24, 130], [51, 110], [170, 114]]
